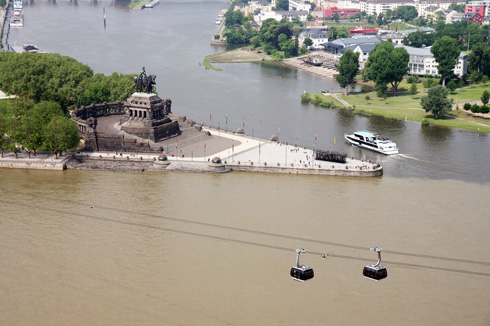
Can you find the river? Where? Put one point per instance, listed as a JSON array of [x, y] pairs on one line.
[[204, 249]]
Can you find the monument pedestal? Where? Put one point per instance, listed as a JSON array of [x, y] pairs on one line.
[[147, 117]]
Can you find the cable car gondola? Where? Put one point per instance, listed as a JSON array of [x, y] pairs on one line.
[[301, 272], [375, 271]]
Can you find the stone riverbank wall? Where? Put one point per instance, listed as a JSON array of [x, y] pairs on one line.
[[34, 164], [140, 163]]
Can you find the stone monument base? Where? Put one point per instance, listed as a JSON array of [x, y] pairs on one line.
[[156, 133]]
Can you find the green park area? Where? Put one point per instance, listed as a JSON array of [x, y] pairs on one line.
[[406, 106]]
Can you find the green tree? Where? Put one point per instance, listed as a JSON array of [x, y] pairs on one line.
[[479, 58], [436, 101], [467, 106], [343, 32], [485, 97], [234, 17], [94, 94], [286, 44], [458, 8], [347, 68], [452, 86], [308, 42], [282, 5], [336, 17], [61, 135], [419, 39], [413, 89], [484, 109], [446, 52], [255, 41], [387, 64]]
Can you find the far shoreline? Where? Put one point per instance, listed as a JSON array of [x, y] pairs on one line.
[[374, 106]]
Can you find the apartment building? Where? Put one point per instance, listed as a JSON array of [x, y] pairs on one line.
[[422, 62]]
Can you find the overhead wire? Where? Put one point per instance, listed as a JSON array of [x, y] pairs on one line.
[[219, 238], [290, 237]]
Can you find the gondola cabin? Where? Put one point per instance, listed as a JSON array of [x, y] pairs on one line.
[[302, 273], [375, 272]]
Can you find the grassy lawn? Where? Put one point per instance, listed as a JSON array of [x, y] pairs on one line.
[[399, 26], [402, 100], [137, 4], [405, 106], [466, 95]]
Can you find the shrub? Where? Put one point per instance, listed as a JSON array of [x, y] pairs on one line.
[[305, 98], [425, 122], [484, 109], [385, 97], [413, 89], [410, 80], [484, 79], [467, 106], [317, 100], [216, 36], [367, 98], [326, 104], [364, 113], [452, 86], [475, 108]]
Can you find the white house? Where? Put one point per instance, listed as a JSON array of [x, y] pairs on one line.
[[422, 62], [296, 5], [364, 50], [318, 36]]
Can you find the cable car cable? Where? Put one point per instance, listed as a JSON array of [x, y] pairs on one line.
[[257, 244], [336, 244]]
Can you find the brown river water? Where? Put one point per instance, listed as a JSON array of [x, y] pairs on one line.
[[206, 249]]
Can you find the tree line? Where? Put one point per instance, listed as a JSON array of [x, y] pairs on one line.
[[46, 86]]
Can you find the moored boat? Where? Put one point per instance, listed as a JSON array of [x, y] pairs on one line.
[[369, 140], [18, 4], [17, 18], [313, 61], [363, 31], [151, 4]]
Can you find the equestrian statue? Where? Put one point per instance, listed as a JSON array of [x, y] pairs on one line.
[[144, 82]]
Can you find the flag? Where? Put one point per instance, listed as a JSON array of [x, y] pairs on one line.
[[209, 116], [176, 145], [315, 135], [243, 122], [122, 140], [204, 147], [260, 125]]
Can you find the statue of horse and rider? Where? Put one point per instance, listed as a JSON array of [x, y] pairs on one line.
[[144, 82]]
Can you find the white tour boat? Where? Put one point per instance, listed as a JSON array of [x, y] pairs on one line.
[[366, 139]]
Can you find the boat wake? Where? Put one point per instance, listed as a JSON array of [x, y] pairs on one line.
[[409, 157]]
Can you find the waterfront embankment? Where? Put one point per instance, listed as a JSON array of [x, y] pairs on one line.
[[230, 152]]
